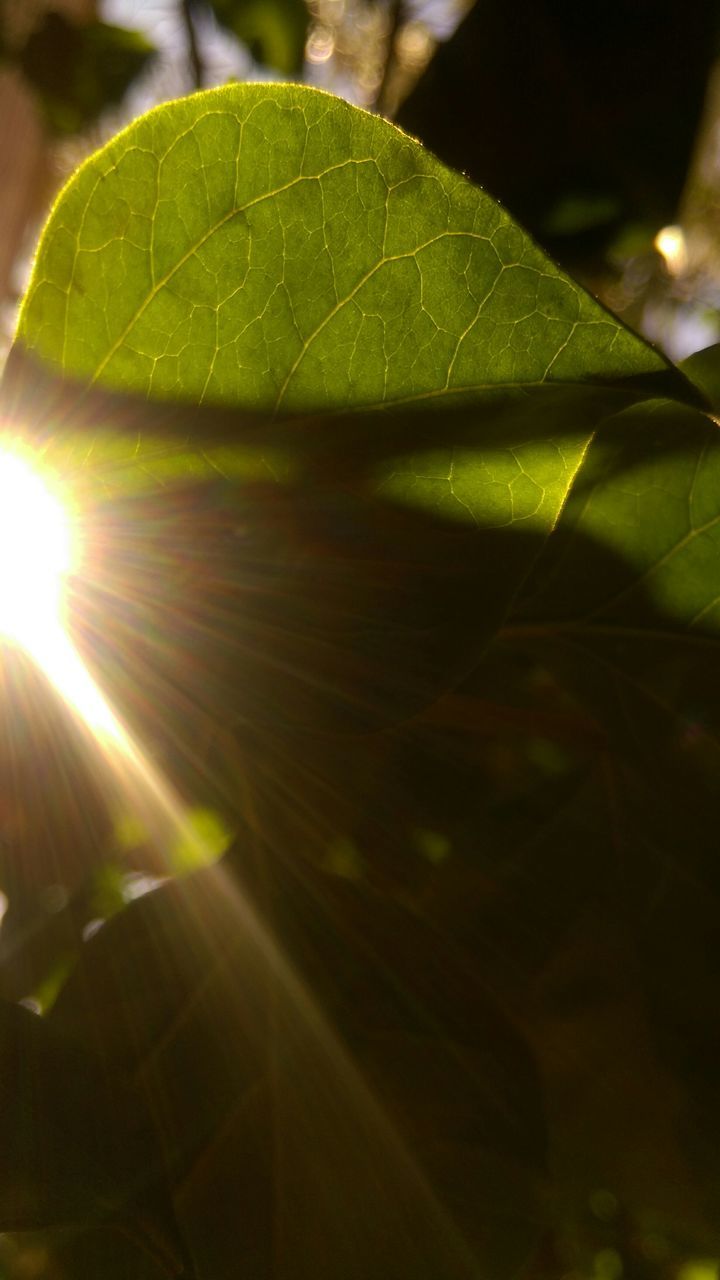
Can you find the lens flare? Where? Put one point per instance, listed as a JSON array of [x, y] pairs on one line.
[[36, 551], [671, 244], [37, 554]]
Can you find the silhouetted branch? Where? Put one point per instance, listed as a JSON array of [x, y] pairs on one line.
[[396, 10], [194, 58]]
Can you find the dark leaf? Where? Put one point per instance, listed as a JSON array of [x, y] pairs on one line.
[[336, 1091], [79, 70], [274, 30], [78, 1143]]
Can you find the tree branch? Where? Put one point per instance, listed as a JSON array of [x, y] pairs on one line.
[[395, 14], [196, 65]]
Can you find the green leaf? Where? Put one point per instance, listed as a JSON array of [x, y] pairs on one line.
[[622, 606], [647, 493], [272, 247], [703, 370]]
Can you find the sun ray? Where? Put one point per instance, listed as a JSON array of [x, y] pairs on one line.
[[38, 552]]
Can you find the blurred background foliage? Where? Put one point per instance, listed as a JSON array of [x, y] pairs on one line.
[[598, 126]]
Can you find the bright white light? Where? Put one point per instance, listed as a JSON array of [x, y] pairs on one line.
[[671, 245], [36, 552]]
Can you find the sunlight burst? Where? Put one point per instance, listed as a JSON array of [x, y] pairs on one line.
[[37, 554], [36, 551]]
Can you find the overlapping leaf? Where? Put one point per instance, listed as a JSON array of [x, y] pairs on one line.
[[273, 249]]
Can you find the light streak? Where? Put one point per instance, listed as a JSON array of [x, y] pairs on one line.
[[36, 557], [38, 552]]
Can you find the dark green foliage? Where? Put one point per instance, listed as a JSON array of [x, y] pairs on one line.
[[274, 30], [79, 70], [580, 118]]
